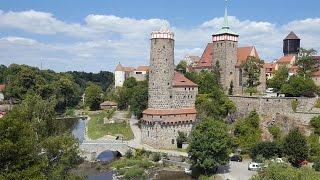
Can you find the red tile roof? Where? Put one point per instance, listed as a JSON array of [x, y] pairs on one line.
[[316, 74], [2, 87], [269, 67], [142, 68], [158, 112], [244, 52], [180, 81], [293, 69], [206, 58], [286, 59]]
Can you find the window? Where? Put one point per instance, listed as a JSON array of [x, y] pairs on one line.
[[148, 133], [172, 141], [138, 72], [163, 47], [170, 96], [160, 116], [230, 73]]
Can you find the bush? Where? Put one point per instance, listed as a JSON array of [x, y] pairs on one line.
[[294, 105], [134, 173], [275, 131], [317, 105], [156, 157], [316, 165], [266, 149], [129, 154], [315, 123]]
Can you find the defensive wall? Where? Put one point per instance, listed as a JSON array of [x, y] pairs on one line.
[[270, 106]]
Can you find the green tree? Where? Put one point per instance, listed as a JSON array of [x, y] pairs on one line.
[[266, 149], [182, 67], [306, 64], [315, 123], [275, 131], [295, 147], [182, 137], [209, 145], [299, 86], [3, 68], [280, 77], [247, 132], [251, 71], [139, 99], [314, 147], [93, 97], [130, 82]]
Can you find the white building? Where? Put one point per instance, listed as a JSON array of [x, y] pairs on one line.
[[122, 73], [2, 87]]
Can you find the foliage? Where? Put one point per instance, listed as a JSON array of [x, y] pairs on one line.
[[134, 173], [266, 149], [299, 86], [155, 157], [315, 123], [306, 64], [230, 90], [251, 90], [316, 165], [182, 137], [279, 78], [247, 132], [3, 68], [295, 147], [32, 143], [97, 128], [182, 67], [209, 145], [281, 171], [251, 70], [93, 97], [104, 79], [317, 105], [294, 105], [206, 81], [275, 131], [314, 147], [129, 154], [130, 82]]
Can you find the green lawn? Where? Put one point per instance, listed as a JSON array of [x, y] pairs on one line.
[[96, 128]]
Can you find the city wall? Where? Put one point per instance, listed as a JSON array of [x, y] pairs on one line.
[[270, 106]]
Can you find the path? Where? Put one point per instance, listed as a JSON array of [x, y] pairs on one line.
[[236, 171]]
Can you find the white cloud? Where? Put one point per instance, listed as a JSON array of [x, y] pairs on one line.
[[101, 41]]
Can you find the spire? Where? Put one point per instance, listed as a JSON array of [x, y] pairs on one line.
[[225, 22]]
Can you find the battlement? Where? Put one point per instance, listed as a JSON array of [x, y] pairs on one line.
[[162, 34]]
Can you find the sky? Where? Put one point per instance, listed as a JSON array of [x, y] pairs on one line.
[[96, 35]]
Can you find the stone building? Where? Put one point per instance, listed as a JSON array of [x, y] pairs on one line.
[[122, 73], [171, 102], [224, 51]]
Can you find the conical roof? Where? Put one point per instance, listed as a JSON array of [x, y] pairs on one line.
[[292, 35], [119, 67]]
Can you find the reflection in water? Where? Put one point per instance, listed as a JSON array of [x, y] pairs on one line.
[[102, 176]]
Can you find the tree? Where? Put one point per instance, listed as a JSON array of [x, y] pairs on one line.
[[251, 71], [281, 171], [209, 145], [299, 86], [295, 147], [314, 147], [182, 137], [3, 68], [139, 99], [315, 123], [206, 81], [275, 131], [280, 77], [93, 97], [266, 149], [306, 64], [130, 82], [247, 132], [182, 67]]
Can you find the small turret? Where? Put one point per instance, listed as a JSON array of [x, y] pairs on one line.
[[291, 44]]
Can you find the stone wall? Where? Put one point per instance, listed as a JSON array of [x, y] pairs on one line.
[[269, 106], [184, 97], [163, 136]]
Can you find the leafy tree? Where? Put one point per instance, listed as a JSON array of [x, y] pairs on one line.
[[266, 149], [306, 64], [252, 70], [247, 132], [280, 77], [295, 147], [281, 171], [275, 131], [3, 68], [206, 81], [93, 97], [182, 67], [209, 145], [216, 72], [130, 82], [314, 147], [315, 123], [299, 86], [139, 99], [182, 137], [316, 165]]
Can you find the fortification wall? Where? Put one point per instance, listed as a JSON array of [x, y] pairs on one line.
[[267, 106]]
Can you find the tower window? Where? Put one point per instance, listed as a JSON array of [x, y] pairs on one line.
[[160, 116], [164, 47], [172, 141], [230, 73], [148, 133]]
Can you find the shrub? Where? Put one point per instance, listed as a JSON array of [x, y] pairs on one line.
[[156, 157], [315, 123], [266, 149], [316, 165], [275, 131], [134, 173], [317, 105], [129, 154], [182, 137], [294, 105]]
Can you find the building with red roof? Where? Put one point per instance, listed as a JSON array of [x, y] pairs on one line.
[[121, 73]]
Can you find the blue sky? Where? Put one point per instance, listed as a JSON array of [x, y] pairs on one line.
[[95, 35]]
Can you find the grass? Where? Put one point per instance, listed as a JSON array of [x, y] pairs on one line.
[[97, 129]]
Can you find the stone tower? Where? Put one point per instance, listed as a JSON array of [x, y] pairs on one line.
[[225, 47], [161, 69], [291, 44], [171, 102]]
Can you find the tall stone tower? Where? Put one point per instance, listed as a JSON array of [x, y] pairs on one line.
[[225, 47], [161, 69], [291, 44]]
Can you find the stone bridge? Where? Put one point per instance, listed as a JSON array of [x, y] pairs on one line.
[[91, 149]]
